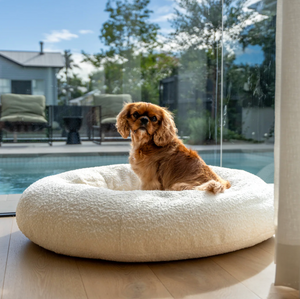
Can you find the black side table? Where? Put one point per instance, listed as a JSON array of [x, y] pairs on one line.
[[73, 124]]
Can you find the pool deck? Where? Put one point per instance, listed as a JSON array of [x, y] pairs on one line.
[[112, 147]]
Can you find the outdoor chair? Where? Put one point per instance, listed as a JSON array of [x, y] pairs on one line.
[[109, 106], [24, 113]]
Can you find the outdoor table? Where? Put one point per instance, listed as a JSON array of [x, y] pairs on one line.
[[73, 124]]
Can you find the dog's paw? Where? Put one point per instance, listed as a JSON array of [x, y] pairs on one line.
[[211, 186]]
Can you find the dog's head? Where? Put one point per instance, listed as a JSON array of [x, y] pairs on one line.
[[146, 122]]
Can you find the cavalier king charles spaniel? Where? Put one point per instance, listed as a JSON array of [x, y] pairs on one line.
[[158, 157]]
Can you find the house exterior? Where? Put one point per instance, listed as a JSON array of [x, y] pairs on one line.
[[30, 73]]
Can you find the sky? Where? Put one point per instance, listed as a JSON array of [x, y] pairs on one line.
[[64, 25]]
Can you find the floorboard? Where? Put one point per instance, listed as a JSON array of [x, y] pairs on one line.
[[254, 268], [268, 245], [5, 230], [109, 280], [29, 271], [200, 278], [35, 273]]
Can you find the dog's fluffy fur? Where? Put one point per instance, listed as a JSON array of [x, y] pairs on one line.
[[158, 157]]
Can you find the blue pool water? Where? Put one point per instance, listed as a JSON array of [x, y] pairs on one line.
[[17, 173]]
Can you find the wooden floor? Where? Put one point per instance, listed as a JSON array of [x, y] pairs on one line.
[[29, 271]]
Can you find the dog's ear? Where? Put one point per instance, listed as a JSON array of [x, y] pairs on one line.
[[167, 130], [122, 122]]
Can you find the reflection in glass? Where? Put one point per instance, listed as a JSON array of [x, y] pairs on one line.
[[197, 42], [249, 84], [250, 77]]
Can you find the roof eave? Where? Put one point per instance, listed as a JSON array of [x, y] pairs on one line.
[[28, 65], [44, 66], [11, 60]]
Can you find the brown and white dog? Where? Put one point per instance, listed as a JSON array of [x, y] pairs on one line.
[[158, 157]]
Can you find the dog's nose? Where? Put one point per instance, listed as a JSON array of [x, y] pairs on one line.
[[144, 120]]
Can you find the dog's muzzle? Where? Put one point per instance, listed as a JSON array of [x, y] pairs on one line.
[[144, 121]]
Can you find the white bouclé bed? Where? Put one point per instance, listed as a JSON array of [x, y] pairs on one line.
[[100, 213]]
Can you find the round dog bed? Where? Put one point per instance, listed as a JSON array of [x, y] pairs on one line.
[[100, 213]]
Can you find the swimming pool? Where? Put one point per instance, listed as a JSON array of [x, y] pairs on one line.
[[17, 173]]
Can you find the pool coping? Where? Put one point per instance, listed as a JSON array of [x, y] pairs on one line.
[[61, 149], [34, 155]]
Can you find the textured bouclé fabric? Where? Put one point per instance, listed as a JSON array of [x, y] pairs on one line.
[[100, 213]]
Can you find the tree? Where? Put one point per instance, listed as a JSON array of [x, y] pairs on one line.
[[198, 29], [262, 78], [154, 68], [66, 87], [108, 78], [75, 88], [69, 84], [198, 26], [130, 37], [128, 27]]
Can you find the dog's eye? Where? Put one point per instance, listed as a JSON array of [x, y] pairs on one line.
[[136, 115], [153, 118]]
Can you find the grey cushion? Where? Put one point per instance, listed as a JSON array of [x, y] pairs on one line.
[[111, 104], [25, 108], [109, 120]]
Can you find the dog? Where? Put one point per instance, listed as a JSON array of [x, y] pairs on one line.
[[158, 157]]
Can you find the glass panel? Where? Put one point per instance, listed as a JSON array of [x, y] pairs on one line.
[[249, 86], [165, 52], [194, 92]]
